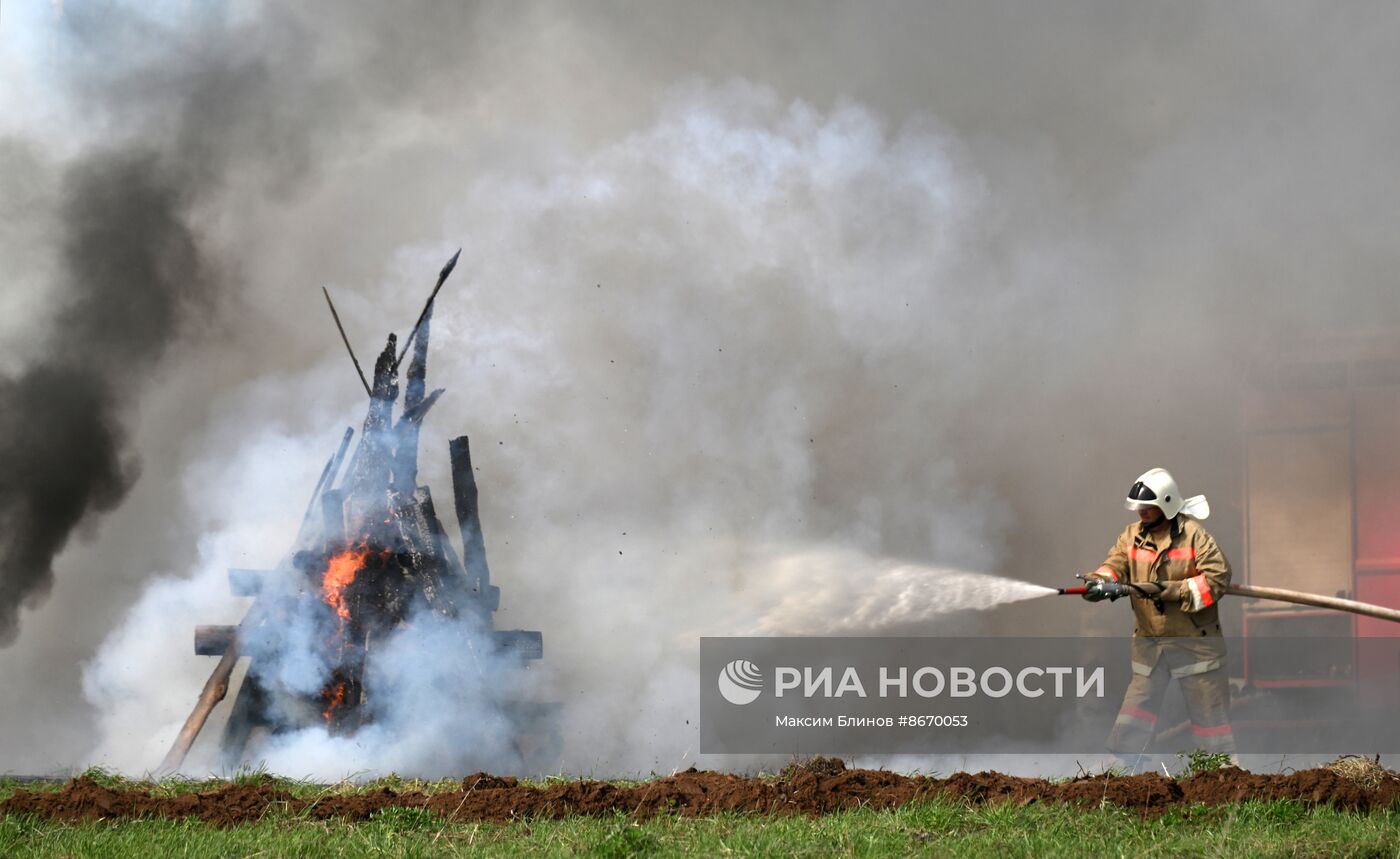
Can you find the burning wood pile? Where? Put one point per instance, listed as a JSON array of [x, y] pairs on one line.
[[371, 557]]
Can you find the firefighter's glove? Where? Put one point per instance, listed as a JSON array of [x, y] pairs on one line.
[[1098, 590]]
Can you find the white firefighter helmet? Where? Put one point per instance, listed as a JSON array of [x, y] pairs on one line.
[[1157, 488]]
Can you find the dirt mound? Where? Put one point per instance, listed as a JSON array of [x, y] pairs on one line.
[[1309, 786], [1147, 792], [799, 790], [84, 799]]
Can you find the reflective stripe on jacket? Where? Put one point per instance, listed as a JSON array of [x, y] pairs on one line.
[[1186, 561]]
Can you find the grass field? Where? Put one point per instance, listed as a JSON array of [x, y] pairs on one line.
[[936, 828], [930, 829]]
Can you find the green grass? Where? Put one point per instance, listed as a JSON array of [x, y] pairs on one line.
[[175, 785], [928, 829]]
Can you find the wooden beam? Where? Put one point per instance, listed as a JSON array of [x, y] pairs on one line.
[[213, 640], [215, 688]]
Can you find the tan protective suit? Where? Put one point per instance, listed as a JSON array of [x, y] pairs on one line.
[[1177, 635]]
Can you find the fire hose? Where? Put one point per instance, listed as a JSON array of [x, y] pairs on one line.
[[1299, 597]]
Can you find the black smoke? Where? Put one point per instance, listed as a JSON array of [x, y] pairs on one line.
[[132, 276]]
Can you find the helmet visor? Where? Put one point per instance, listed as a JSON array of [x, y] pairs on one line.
[[1141, 492], [1141, 497]]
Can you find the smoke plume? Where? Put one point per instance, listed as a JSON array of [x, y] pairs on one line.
[[756, 307], [132, 275]]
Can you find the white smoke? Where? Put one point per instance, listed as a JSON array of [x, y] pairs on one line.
[[435, 690], [667, 336]]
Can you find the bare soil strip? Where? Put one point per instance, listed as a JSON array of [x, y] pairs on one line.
[[808, 790]]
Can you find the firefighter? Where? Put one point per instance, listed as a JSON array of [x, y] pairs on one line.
[[1174, 574]]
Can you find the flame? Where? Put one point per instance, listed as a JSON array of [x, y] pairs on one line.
[[340, 572], [335, 698]]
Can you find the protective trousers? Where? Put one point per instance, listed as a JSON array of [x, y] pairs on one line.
[[1206, 688]]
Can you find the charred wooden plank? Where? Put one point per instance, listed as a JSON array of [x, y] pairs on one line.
[[523, 643], [415, 402], [213, 640], [441, 588], [464, 497], [416, 377], [422, 548], [415, 414], [427, 308], [372, 467], [490, 598]]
